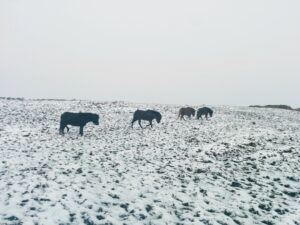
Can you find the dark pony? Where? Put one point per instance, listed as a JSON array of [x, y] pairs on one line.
[[204, 111], [188, 111], [77, 119], [148, 115]]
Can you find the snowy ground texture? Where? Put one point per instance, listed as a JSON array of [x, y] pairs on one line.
[[240, 167]]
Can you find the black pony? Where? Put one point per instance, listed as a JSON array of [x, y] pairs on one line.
[[148, 115], [77, 119], [188, 111], [204, 111]]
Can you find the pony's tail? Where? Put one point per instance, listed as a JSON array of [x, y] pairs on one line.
[[61, 128], [179, 114]]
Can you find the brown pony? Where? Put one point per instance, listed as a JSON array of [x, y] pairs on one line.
[[188, 111]]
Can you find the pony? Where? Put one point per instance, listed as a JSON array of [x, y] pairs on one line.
[[188, 111], [148, 115], [204, 111], [77, 119]]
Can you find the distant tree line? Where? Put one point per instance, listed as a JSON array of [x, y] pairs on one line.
[[37, 99], [286, 107], [11, 98]]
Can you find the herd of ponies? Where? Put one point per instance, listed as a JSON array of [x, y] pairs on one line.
[[81, 119]]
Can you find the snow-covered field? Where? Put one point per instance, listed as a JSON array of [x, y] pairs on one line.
[[240, 167]]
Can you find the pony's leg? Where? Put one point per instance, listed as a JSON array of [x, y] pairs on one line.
[[150, 124], [68, 129], [140, 124], [61, 129], [81, 130], [133, 121]]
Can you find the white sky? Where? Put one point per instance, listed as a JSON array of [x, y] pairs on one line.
[[230, 52]]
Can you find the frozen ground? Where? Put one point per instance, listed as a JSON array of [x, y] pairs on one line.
[[241, 167]]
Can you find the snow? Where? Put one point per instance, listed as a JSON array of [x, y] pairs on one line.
[[240, 167]]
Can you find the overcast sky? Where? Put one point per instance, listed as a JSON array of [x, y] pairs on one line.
[[229, 52]]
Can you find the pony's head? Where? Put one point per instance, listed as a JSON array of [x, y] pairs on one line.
[[193, 112], [95, 119], [158, 117], [199, 114]]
